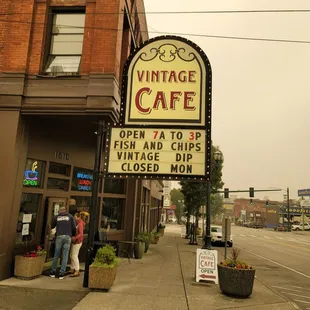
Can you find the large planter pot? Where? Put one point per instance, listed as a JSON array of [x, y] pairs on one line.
[[147, 245], [154, 240], [139, 249], [161, 231], [101, 278], [236, 282], [28, 268]]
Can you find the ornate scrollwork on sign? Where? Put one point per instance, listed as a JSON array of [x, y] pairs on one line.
[[167, 53]]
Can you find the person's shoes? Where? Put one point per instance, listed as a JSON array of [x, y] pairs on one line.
[[61, 275], [75, 274], [52, 274], [71, 270]]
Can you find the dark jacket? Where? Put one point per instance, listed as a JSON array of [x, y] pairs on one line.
[[65, 224]]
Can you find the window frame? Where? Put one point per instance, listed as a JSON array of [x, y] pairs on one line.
[[49, 35]]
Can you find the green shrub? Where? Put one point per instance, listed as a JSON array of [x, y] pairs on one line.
[[142, 237], [106, 257], [161, 225]]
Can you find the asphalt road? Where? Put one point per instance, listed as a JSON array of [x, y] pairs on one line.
[[281, 260]]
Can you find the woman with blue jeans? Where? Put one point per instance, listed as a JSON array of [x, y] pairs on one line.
[[65, 229]]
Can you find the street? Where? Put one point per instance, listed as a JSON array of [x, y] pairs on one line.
[[281, 260]]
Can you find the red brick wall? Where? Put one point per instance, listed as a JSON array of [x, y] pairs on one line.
[[22, 39]]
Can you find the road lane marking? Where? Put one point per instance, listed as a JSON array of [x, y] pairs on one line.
[[295, 294], [303, 288], [288, 289], [305, 302], [276, 263], [267, 237]]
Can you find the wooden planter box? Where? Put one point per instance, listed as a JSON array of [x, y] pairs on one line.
[[28, 268], [236, 282], [101, 278]]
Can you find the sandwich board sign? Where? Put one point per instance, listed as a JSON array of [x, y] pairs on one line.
[[206, 265], [164, 131]]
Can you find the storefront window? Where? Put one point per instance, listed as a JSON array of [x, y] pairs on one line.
[[114, 186], [112, 213], [33, 173], [26, 225], [82, 180], [61, 169], [53, 183]]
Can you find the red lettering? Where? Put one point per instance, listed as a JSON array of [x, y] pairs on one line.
[[160, 98], [188, 97], [140, 75], [174, 96], [182, 76], [191, 76], [138, 100], [172, 77]]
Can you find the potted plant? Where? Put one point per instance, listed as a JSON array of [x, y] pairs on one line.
[[30, 265], [139, 247], [236, 278], [147, 240], [102, 271], [154, 237], [161, 229]]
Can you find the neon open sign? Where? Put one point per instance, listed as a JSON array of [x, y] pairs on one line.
[[31, 176]]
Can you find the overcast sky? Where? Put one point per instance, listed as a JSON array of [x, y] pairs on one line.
[[261, 96]]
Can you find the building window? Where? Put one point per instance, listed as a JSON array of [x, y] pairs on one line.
[[61, 184], [112, 213], [61, 169], [66, 43], [114, 186], [33, 173], [27, 219], [81, 204], [82, 180]]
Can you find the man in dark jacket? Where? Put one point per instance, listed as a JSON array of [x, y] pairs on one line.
[[65, 229]]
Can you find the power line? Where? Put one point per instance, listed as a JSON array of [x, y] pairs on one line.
[[175, 33], [181, 12]]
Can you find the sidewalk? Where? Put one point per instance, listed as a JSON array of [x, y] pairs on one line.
[[163, 279]]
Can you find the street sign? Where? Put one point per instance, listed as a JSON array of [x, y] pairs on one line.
[[304, 192], [206, 265], [157, 152]]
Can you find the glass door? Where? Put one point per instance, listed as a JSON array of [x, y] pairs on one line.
[[53, 207]]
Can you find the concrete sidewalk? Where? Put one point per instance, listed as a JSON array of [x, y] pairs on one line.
[[163, 279]]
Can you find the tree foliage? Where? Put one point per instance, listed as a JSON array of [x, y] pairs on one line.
[[177, 199], [195, 192]]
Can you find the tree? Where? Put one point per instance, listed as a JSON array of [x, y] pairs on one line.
[[216, 205], [195, 192], [177, 198]]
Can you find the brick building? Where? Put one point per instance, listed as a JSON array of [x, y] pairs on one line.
[[61, 68]]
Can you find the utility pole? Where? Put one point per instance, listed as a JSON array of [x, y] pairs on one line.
[[288, 208]]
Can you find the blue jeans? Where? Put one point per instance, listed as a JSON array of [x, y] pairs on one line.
[[62, 242]]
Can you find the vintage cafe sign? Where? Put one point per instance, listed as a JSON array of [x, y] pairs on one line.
[[165, 115], [167, 82], [157, 151]]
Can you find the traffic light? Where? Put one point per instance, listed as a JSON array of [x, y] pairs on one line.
[[251, 190], [267, 203], [226, 192], [251, 201]]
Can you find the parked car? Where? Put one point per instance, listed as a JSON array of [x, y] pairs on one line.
[[217, 238], [300, 227], [280, 227], [257, 225]]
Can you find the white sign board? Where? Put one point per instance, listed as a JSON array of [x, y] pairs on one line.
[[170, 152], [27, 218], [167, 202], [206, 265]]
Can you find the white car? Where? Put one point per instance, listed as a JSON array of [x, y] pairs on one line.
[[217, 238], [299, 227]]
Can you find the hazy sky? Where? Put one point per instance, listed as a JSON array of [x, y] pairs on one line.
[[261, 97]]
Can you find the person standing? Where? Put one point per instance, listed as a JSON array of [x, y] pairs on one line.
[[77, 243], [65, 229]]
